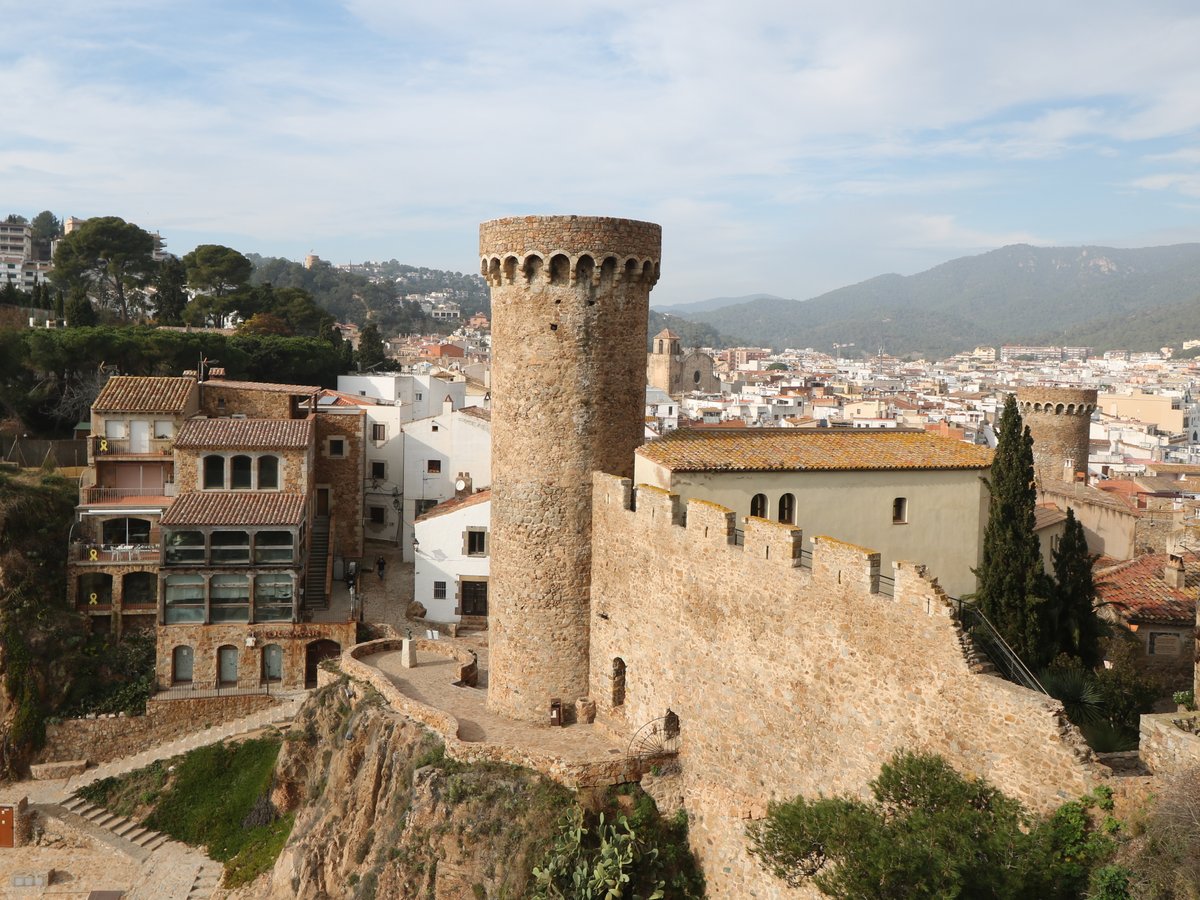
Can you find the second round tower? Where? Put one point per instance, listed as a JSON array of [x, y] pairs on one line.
[[570, 301]]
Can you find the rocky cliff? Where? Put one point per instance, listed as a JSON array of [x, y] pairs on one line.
[[380, 812]]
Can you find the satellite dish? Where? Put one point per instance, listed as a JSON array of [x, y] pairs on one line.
[[460, 485]]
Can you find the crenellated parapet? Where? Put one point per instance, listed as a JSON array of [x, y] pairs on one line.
[[1056, 401], [569, 250]]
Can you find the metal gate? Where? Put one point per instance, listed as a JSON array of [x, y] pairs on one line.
[[7, 816]]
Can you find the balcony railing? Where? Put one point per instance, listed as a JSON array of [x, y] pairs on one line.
[[115, 495], [107, 554], [106, 446]]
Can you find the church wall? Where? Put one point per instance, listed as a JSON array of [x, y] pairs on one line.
[[792, 680]]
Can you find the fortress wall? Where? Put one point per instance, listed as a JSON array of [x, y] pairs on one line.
[[788, 680]]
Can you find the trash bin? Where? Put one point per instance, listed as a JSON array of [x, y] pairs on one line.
[[556, 711]]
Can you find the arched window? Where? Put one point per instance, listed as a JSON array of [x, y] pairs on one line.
[[787, 509], [268, 472], [618, 681], [181, 665], [214, 472], [758, 506], [242, 477]]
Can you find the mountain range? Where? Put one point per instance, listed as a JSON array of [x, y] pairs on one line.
[[1101, 297]]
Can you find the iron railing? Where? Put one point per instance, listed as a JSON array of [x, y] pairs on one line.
[[886, 585], [987, 639], [192, 692], [805, 558], [739, 538]]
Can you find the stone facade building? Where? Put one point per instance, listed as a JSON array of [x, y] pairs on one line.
[[213, 512], [669, 369]]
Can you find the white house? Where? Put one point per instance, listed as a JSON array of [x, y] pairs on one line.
[[444, 455], [418, 391], [452, 558]]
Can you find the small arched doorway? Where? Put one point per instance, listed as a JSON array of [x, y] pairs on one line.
[[315, 654], [181, 665], [227, 666], [787, 509], [272, 663], [758, 506]]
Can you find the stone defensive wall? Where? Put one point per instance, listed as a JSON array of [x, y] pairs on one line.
[[105, 738], [1168, 749], [795, 675], [618, 770]]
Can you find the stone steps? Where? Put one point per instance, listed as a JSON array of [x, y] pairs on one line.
[[207, 880]]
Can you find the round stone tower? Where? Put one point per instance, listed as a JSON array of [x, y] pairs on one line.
[[1058, 419], [570, 300]]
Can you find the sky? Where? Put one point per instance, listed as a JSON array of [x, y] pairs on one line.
[[785, 147]]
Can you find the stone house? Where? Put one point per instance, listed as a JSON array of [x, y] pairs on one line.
[[452, 559], [1153, 597], [910, 495], [116, 542], [221, 507]]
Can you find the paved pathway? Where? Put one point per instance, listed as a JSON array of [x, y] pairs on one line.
[[169, 870], [432, 683]]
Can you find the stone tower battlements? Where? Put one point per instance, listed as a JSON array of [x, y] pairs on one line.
[[1059, 421], [570, 302]]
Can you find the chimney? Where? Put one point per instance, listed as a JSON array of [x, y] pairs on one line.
[[1173, 574], [447, 405], [462, 485]]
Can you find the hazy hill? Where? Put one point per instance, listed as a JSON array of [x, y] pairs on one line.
[[1099, 296], [712, 303]]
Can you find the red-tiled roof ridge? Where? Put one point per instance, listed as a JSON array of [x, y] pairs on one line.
[[1136, 590], [245, 434], [456, 503], [263, 386], [235, 508], [144, 393]]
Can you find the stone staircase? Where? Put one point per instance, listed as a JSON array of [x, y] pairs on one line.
[[207, 879], [318, 557], [126, 831]]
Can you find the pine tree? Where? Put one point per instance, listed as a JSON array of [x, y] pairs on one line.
[[1012, 580], [1077, 627]]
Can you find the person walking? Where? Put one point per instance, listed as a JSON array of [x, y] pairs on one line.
[[380, 565]]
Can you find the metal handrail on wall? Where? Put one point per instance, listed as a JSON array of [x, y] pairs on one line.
[[988, 639]]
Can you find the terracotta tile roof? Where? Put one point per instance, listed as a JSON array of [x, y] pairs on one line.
[[263, 386], [244, 434], [477, 412], [1136, 591], [235, 508], [785, 449], [134, 393], [456, 503], [1045, 516]]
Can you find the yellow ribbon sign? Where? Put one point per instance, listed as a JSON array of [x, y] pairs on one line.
[[103, 445], [93, 599], [93, 555]]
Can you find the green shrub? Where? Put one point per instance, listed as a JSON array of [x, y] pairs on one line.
[[930, 832]]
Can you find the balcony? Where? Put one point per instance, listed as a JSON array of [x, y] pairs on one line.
[[129, 496], [114, 554], [101, 447]]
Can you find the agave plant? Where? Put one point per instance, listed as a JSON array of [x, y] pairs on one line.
[[1075, 688]]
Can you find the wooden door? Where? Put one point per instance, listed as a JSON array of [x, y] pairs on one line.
[[7, 829], [322, 501]]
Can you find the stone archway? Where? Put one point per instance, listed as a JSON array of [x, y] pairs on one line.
[[315, 654]]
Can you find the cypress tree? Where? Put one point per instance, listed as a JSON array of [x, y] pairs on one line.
[[1012, 580], [1077, 627]]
